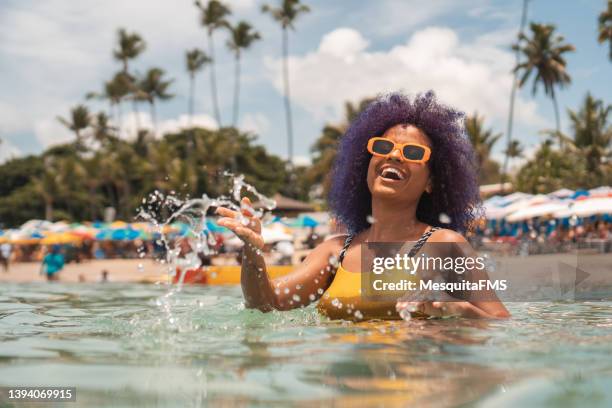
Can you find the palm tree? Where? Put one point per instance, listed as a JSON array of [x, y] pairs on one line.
[[593, 134], [325, 148], [514, 150], [153, 86], [102, 129], [79, 120], [544, 56], [49, 186], [195, 60], [605, 27], [483, 141], [513, 95], [114, 91], [286, 14], [213, 17], [241, 38], [130, 46]]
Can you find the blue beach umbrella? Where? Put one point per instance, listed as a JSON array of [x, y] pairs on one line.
[[304, 221], [213, 227], [119, 234]]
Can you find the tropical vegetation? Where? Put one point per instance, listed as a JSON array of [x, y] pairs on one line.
[[113, 163]]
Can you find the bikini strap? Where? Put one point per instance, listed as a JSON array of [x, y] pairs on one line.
[[422, 241], [417, 246], [347, 243]]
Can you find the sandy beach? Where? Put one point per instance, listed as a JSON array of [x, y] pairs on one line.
[[523, 269], [119, 270]]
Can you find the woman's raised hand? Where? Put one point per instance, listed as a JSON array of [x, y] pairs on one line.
[[244, 224]]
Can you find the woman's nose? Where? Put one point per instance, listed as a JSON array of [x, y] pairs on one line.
[[396, 155]]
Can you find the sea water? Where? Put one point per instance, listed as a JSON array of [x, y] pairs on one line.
[[122, 345]]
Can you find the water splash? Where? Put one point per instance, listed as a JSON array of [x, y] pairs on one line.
[[183, 251]]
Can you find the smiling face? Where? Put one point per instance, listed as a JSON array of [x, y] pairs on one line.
[[392, 177]]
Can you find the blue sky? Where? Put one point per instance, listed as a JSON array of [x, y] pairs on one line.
[[54, 52]]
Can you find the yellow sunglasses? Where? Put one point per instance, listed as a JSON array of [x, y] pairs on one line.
[[411, 152]]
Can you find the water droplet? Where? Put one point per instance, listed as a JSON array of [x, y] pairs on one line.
[[333, 261], [358, 315], [286, 291], [312, 297], [277, 291], [296, 298], [320, 291], [370, 219]]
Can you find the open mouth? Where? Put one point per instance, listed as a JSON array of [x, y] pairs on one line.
[[390, 173]]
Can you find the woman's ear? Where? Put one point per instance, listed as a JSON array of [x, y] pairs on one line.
[[429, 186]]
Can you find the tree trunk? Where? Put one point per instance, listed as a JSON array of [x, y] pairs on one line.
[[48, 209], [153, 117], [512, 97], [119, 115], [213, 79], [191, 96], [557, 119], [236, 91], [136, 119], [287, 96]]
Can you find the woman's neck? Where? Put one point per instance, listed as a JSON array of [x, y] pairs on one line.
[[394, 221]]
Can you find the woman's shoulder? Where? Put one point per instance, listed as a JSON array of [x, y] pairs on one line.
[[446, 235], [334, 241]]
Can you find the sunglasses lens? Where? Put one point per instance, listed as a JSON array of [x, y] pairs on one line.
[[414, 152], [382, 146]]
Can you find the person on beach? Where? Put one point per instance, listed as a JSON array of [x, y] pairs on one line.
[[53, 263], [404, 172], [5, 255]]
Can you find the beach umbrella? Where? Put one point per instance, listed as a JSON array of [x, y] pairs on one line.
[[538, 210], [23, 237], [496, 213], [36, 225], [562, 193], [212, 226], [60, 226], [586, 208], [603, 191], [304, 221], [580, 193], [60, 238], [119, 234]]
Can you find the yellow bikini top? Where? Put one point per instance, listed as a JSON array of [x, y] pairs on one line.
[[343, 300]]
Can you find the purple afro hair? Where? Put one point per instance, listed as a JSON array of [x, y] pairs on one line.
[[454, 202]]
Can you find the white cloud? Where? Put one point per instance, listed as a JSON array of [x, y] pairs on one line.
[[343, 43], [131, 122], [241, 5], [302, 160], [256, 123], [471, 76], [56, 51], [8, 150], [51, 132], [185, 122]]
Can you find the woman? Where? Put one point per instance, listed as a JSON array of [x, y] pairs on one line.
[[404, 169]]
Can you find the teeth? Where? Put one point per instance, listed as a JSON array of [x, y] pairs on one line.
[[391, 170]]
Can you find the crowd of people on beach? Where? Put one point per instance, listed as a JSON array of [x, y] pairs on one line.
[[534, 236]]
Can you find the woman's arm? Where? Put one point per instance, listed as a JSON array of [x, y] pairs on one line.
[[299, 288]]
